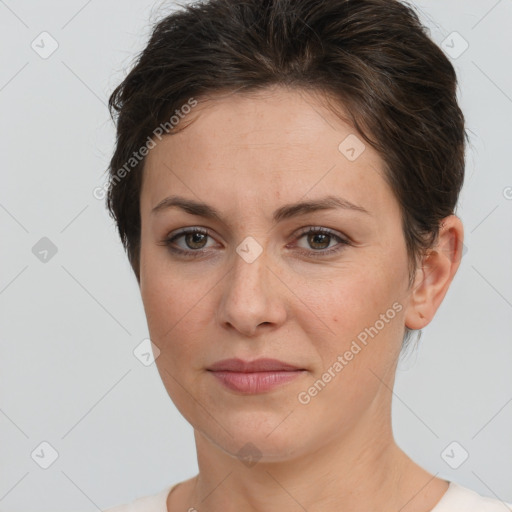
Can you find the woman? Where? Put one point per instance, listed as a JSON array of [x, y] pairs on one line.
[[284, 182]]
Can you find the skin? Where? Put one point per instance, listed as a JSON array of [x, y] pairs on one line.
[[247, 155]]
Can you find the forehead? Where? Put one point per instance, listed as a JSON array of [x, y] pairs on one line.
[[281, 144]]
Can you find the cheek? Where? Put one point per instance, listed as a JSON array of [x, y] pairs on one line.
[[168, 307], [356, 306], [176, 305], [159, 287], [357, 341], [343, 301]]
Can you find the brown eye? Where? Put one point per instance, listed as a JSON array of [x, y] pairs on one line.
[[319, 239], [195, 240]]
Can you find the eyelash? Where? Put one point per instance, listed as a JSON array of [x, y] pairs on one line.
[[310, 230]]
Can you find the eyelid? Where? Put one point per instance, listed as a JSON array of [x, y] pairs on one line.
[[342, 241], [319, 229], [184, 231]]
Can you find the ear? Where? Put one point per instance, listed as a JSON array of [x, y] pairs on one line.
[[437, 271]]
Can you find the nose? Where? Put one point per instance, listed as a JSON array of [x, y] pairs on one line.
[[253, 297]]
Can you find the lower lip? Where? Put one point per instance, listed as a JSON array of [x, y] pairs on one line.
[[256, 382]]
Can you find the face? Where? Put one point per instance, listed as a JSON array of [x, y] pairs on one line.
[[251, 282]]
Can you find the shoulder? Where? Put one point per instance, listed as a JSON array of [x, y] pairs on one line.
[[462, 499], [153, 503]]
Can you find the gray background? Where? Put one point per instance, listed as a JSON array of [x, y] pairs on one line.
[[70, 323]]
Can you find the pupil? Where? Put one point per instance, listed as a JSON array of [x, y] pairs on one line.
[[196, 237], [322, 235]]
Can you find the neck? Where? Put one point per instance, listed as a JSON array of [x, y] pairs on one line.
[[363, 469]]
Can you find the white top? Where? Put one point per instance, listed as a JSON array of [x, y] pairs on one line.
[[456, 499]]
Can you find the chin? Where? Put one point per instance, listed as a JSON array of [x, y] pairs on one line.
[[252, 444]]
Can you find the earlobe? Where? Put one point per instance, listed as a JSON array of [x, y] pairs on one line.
[[414, 315], [434, 277]]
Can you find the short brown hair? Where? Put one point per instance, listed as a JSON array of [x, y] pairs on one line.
[[373, 56]]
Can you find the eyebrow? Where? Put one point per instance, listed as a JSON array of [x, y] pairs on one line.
[[284, 212]]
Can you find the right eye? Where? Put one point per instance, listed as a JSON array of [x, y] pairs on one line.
[[194, 239]]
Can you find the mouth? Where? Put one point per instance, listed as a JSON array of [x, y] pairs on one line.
[[253, 377], [258, 365]]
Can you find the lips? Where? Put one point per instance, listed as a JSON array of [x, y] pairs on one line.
[[254, 377], [259, 365]]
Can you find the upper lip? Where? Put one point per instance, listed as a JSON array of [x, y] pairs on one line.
[[258, 365]]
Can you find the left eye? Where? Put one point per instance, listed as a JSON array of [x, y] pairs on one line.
[[320, 239]]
